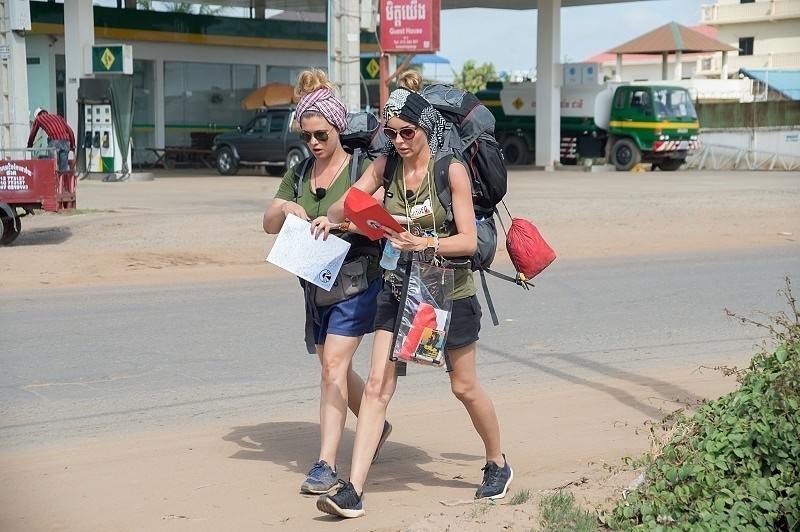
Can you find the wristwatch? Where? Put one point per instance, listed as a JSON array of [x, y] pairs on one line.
[[431, 248]]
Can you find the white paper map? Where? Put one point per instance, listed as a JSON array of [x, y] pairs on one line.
[[315, 260]]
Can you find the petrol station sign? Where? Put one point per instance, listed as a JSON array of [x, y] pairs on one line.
[[112, 59], [409, 26]]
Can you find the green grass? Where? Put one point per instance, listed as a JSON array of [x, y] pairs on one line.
[[521, 497], [560, 512]]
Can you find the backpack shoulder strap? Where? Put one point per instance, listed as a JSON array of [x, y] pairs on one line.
[[299, 172], [388, 171], [441, 180], [355, 164]]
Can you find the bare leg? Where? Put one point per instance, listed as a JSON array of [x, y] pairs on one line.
[[336, 357], [378, 391], [465, 386]]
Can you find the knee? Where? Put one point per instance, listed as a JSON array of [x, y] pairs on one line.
[[378, 389], [334, 371], [464, 391]]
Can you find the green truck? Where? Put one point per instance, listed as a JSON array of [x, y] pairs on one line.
[[623, 123]]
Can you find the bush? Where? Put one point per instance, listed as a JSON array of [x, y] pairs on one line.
[[734, 464]]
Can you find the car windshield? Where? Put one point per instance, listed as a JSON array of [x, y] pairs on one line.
[[674, 104]]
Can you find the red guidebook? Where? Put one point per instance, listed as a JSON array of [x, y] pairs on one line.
[[368, 214]]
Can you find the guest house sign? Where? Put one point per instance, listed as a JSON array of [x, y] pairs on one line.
[[410, 26]]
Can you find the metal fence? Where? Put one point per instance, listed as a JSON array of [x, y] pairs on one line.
[[718, 157]]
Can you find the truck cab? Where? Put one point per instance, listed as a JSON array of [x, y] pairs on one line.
[[656, 124]]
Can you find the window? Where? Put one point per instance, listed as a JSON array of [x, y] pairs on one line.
[[747, 1], [745, 45], [276, 124], [204, 97]]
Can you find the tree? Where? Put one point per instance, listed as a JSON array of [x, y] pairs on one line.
[[179, 7], [474, 78]]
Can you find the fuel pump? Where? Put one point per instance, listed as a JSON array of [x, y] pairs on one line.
[[101, 150]]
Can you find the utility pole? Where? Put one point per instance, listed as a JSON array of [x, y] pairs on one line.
[[344, 49], [15, 20]]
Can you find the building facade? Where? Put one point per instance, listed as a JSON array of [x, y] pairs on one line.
[[190, 72]]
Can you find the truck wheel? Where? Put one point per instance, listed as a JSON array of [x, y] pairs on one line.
[[515, 151], [293, 157], [670, 165], [226, 162], [10, 224], [625, 154]]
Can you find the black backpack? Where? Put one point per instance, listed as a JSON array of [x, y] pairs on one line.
[[469, 135]]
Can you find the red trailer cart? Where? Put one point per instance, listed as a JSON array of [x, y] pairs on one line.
[[30, 184]]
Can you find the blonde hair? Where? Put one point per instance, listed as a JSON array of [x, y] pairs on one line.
[[311, 80], [410, 79]]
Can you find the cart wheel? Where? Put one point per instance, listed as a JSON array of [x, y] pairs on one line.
[[11, 223]]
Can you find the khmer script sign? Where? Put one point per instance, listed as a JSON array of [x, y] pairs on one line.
[[410, 26]]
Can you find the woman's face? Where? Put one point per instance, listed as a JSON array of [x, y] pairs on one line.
[[407, 147], [316, 127]]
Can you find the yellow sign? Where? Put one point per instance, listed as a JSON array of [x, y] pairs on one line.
[[107, 59], [518, 103], [372, 68]]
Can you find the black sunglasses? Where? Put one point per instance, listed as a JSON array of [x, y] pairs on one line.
[[320, 135], [407, 132]]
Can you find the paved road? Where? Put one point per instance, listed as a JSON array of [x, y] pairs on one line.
[[78, 364]]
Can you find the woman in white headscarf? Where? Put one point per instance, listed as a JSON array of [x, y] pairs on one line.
[[416, 132]]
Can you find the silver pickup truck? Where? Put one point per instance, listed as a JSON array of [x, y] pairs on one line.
[[271, 139]]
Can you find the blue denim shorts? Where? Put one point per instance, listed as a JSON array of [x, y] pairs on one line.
[[351, 317]]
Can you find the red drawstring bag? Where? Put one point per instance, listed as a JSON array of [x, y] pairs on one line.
[[528, 251]]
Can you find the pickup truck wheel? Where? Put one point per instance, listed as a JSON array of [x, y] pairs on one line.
[[226, 162], [670, 165], [10, 224], [293, 157], [625, 154], [515, 152]]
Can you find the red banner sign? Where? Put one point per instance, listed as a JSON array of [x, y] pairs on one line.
[[410, 26]]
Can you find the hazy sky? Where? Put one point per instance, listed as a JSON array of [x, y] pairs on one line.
[[508, 38]]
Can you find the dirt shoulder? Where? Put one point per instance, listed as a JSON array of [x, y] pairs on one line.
[[182, 227]]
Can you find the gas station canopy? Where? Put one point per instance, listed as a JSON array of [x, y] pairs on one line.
[[319, 5]]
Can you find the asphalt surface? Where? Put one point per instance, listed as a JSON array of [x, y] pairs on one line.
[[79, 364]]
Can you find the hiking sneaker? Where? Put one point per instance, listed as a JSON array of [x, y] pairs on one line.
[[321, 479], [387, 429], [344, 503], [496, 481]]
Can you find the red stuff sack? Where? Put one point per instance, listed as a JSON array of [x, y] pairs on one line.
[[528, 251]]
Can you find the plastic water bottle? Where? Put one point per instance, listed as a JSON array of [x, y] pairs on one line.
[[390, 256]]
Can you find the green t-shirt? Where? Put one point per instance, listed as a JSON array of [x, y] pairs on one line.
[[424, 208], [315, 207]]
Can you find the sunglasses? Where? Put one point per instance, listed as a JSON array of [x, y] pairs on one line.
[[320, 135], [406, 133]]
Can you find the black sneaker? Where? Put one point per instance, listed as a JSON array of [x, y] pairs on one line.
[[496, 481], [345, 503], [387, 429]]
